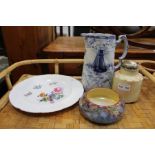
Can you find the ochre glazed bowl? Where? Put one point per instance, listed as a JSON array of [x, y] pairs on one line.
[[102, 105]]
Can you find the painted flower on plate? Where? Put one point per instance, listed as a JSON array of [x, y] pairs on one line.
[[57, 90]]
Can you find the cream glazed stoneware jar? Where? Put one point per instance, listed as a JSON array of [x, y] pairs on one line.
[[127, 81]]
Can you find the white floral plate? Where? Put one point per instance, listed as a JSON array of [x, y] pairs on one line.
[[46, 93]]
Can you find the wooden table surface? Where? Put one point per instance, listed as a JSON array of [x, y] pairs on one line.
[[66, 44], [76, 44], [137, 115]]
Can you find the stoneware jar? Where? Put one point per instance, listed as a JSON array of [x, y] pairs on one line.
[[102, 105], [127, 81], [98, 65]]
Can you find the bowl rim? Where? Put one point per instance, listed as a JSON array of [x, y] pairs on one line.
[[87, 99]]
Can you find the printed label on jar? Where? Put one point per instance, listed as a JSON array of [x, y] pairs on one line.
[[124, 87]]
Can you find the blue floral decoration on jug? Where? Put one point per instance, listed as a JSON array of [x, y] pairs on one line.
[[98, 65]]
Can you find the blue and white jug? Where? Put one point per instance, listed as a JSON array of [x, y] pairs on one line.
[[98, 68]]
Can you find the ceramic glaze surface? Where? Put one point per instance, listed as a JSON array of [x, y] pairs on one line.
[[46, 93], [98, 66], [108, 112], [128, 84], [102, 101]]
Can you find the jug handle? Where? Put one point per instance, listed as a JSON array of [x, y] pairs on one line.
[[125, 51]]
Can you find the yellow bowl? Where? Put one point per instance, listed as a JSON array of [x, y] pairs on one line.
[[102, 96]]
